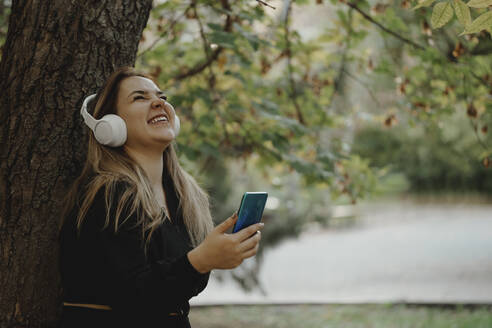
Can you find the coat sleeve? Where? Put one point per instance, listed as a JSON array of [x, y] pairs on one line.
[[137, 282]]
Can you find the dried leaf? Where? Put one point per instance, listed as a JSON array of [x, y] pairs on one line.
[[426, 28], [222, 60], [486, 162], [390, 120], [471, 111], [458, 50], [379, 8], [405, 4]]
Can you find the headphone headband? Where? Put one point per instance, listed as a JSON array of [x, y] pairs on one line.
[[88, 118]]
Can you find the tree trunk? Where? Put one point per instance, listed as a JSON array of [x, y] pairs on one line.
[[56, 53]]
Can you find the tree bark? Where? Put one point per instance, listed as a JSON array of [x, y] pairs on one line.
[[56, 52]]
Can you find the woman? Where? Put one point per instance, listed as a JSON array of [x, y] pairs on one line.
[[137, 240]]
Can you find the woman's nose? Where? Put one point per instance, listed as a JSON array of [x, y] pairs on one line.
[[158, 103]]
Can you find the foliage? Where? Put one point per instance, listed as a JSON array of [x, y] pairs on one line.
[[263, 93], [442, 13], [246, 83], [432, 158]]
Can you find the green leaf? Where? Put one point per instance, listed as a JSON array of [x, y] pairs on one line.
[[215, 27], [267, 105], [203, 94], [299, 164], [252, 39], [462, 12], [485, 153], [343, 17], [209, 149], [207, 120], [223, 39], [237, 75], [482, 22], [424, 3], [479, 3], [441, 14], [292, 124]]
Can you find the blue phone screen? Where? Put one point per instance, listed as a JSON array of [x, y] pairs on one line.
[[251, 210]]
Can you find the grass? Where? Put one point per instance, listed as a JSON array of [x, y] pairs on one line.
[[346, 316]]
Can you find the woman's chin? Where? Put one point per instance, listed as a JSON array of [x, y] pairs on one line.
[[163, 135], [158, 140], [164, 139]]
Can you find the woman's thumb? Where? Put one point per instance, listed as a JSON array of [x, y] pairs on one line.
[[227, 223]]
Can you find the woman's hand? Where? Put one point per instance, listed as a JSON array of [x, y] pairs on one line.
[[221, 250]]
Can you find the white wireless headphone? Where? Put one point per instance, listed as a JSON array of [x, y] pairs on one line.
[[110, 130]]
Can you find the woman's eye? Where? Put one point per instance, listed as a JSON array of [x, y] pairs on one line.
[[138, 97], [164, 98]]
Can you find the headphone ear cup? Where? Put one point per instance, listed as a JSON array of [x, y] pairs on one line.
[[111, 131], [177, 125]]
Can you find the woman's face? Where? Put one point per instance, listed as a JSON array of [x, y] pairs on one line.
[[149, 118]]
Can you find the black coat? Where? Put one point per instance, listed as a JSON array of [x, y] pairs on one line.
[[107, 268]]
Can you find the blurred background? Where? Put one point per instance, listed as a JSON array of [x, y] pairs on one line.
[[367, 124], [374, 152]]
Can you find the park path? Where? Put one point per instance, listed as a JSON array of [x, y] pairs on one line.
[[399, 251]]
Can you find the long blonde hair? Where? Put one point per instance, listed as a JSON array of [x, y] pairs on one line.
[[106, 167]]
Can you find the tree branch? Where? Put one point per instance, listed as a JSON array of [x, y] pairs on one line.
[[293, 94], [339, 79], [478, 78], [198, 68], [212, 79], [396, 35], [163, 34], [206, 46], [265, 4], [365, 86]]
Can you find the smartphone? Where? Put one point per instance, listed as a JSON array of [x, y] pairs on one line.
[[251, 209]]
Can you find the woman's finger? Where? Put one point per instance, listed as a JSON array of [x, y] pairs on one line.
[[250, 242], [248, 232], [251, 252], [224, 226]]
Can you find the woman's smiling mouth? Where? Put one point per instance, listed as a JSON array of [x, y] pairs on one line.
[[161, 118]]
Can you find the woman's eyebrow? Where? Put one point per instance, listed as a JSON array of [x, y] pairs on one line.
[[144, 92]]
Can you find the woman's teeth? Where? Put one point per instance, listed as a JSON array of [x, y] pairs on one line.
[[158, 119]]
